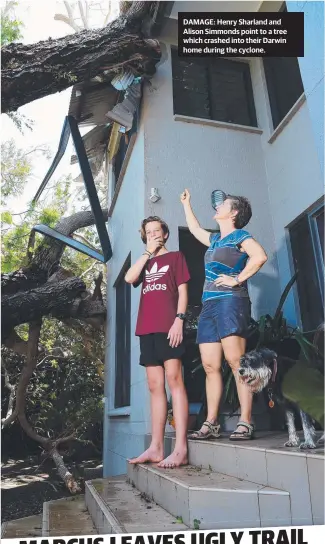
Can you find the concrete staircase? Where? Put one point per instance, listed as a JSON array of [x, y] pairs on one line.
[[226, 485]]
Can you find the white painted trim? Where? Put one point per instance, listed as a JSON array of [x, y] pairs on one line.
[[46, 519], [296, 107], [218, 124], [119, 412]]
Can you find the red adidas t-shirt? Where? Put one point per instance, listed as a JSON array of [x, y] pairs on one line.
[[159, 282]]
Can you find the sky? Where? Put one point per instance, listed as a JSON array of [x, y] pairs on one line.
[[47, 113]]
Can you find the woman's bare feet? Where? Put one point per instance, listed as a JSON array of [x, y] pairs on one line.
[[151, 455], [174, 460]]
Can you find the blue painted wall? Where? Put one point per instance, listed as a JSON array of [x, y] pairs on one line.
[[312, 68]]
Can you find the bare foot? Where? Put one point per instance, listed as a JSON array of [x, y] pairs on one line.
[[176, 459], [149, 456]]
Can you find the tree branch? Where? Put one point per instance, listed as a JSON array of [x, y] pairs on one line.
[[10, 416], [46, 255], [83, 15], [65, 19], [14, 342], [50, 299], [32, 71]]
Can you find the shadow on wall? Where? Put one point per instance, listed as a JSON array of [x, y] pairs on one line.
[[268, 288], [265, 289]]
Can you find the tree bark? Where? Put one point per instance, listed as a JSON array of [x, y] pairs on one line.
[[63, 472], [47, 256], [50, 446], [34, 304], [12, 396], [30, 72]]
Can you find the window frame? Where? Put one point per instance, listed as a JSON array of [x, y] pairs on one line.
[[310, 282], [317, 245], [210, 63], [122, 385]]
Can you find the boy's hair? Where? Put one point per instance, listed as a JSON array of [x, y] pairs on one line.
[[241, 205], [151, 219]]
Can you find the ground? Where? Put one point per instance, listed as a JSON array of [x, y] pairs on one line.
[[26, 484]]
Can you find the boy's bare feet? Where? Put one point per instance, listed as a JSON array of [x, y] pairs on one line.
[[174, 460], [151, 455]]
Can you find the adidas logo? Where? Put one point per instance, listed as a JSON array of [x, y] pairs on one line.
[[155, 287], [155, 274]]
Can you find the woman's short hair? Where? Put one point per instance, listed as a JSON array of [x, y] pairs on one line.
[[241, 205], [151, 219]]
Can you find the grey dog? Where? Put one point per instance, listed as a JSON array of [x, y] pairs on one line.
[[259, 370]]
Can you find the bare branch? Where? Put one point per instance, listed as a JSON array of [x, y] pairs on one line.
[[108, 13], [10, 416], [66, 476], [84, 240], [65, 19], [83, 15], [88, 269], [30, 247]]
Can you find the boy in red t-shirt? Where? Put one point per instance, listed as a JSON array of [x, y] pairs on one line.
[[163, 275]]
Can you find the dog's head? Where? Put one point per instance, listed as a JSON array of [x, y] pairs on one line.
[[257, 368]]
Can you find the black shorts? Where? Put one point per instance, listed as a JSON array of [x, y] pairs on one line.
[[155, 349]]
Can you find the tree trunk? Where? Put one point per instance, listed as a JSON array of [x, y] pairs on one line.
[[47, 256], [32, 305], [30, 72], [64, 474]]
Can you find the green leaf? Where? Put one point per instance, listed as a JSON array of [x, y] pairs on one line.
[[6, 217], [284, 297]]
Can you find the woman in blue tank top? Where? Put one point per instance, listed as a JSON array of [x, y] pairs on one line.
[[233, 256]]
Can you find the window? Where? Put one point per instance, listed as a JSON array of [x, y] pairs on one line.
[[211, 88], [284, 84], [122, 338], [307, 243]]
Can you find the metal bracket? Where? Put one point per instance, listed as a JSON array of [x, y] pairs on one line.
[[70, 127]]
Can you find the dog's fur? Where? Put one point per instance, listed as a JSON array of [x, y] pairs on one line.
[[258, 369]]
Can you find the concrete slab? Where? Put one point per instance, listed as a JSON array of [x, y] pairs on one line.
[[22, 527], [67, 517], [117, 506]]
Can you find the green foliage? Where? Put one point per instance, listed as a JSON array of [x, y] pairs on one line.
[[16, 169], [6, 217], [65, 392], [10, 26]]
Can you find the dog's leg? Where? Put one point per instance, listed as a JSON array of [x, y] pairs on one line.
[[309, 431], [293, 437], [321, 440]]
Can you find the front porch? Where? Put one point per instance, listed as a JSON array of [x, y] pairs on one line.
[[227, 485]]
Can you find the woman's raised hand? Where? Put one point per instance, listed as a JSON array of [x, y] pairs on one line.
[[185, 197]]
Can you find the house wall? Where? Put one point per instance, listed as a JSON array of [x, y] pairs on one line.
[[294, 161], [203, 158], [312, 69], [281, 179], [125, 428]]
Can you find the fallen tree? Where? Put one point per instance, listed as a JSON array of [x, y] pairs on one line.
[[32, 71], [42, 288]]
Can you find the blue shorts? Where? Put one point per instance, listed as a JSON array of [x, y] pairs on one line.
[[222, 317]]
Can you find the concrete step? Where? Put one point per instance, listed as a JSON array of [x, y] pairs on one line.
[[22, 527], [117, 507], [208, 500], [67, 517], [266, 461]]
